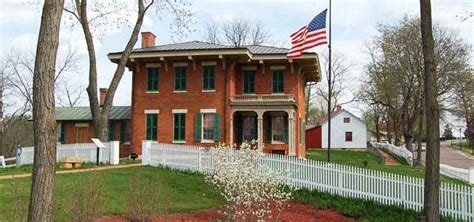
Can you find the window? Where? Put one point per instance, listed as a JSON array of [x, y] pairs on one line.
[[208, 126], [111, 131], [249, 131], [152, 83], [278, 126], [249, 81], [180, 79], [208, 78], [347, 120], [151, 126], [277, 85], [179, 126], [348, 136]]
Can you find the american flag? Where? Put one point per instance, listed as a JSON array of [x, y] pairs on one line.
[[309, 36]]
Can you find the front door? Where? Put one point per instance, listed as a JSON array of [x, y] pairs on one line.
[[249, 128], [81, 135]]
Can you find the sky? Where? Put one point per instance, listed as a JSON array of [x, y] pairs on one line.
[[354, 24]]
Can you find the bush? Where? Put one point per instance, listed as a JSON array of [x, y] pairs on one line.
[[251, 189]]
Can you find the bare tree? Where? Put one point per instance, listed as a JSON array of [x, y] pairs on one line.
[[237, 32], [69, 95], [339, 72], [18, 76], [44, 123], [79, 10]]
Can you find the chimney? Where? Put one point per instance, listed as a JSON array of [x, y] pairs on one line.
[[148, 39], [103, 92], [338, 107]]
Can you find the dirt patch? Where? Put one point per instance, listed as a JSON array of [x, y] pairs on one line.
[[294, 212]]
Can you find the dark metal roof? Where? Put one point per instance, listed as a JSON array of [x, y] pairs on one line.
[[84, 113], [198, 45]]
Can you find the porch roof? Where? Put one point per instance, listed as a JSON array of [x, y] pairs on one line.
[[83, 113]]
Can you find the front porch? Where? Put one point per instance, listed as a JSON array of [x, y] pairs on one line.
[[272, 129]]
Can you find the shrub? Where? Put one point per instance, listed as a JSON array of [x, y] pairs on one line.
[[251, 189]]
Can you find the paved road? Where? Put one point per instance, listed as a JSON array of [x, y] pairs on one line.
[[452, 157]]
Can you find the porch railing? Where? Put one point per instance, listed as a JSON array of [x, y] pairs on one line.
[[263, 98]]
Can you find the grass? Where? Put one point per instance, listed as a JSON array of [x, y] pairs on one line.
[[364, 210], [181, 191], [357, 158], [29, 168]]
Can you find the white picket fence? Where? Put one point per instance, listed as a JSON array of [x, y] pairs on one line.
[[457, 173], [87, 152], [457, 201], [396, 150]]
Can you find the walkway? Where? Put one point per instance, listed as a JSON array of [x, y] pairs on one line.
[[452, 157], [387, 159], [14, 176]]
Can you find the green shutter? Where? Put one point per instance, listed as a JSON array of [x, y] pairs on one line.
[[111, 131], [269, 130], [151, 126], [249, 81], [277, 83], [208, 78], [217, 125], [197, 127], [180, 79], [123, 132], [179, 126], [285, 135], [63, 132], [153, 79]]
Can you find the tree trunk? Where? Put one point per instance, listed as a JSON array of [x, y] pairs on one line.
[[377, 128], [44, 123], [431, 200], [408, 142], [420, 134], [3, 151], [100, 116]]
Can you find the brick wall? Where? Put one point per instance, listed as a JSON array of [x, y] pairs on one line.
[[194, 99]]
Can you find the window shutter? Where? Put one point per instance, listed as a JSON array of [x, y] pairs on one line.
[[63, 132], [285, 135], [123, 131], [198, 127], [111, 131], [217, 127]]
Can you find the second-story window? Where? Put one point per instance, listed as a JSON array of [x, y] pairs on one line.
[[249, 81], [208, 78], [153, 78], [180, 79], [277, 86]]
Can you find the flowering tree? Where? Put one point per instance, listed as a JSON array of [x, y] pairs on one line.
[[251, 189]]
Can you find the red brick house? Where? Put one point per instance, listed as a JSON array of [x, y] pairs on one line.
[[201, 93]]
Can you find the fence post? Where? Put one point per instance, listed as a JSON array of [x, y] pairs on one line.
[[471, 175], [2, 162], [114, 152], [145, 152], [18, 155]]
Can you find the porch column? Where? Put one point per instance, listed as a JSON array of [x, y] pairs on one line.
[[291, 134], [260, 129], [232, 130]]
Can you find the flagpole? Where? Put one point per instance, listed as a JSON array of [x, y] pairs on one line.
[[329, 85]]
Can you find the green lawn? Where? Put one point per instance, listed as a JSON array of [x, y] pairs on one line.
[[158, 190], [29, 168], [356, 158], [114, 192]]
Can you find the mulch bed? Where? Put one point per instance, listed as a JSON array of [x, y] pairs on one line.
[[294, 212]]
